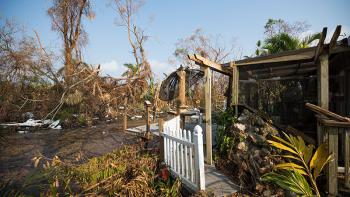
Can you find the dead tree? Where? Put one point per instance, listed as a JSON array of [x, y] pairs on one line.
[[66, 16]]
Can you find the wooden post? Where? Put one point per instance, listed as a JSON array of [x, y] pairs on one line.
[[161, 144], [125, 121], [181, 100], [124, 116], [199, 157], [235, 86], [229, 93], [148, 118], [322, 91], [332, 174], [207, 91], [347, 157]]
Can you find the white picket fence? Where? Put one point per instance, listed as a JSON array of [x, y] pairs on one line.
[[183, 153]]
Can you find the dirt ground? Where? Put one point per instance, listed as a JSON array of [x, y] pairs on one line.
[[17, 150]]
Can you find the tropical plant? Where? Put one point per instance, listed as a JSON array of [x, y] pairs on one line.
[[303, 166], [282, 36], [284, 42], [132, 70]]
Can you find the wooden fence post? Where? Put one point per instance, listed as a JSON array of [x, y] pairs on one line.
[[199, 157], [125, 121], [161, 144], [148, 119], [124, 117], [332, 173]]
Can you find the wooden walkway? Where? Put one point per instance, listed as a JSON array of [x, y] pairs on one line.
[[215, 181]]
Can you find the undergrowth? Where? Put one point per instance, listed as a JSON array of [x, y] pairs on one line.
[[130, 171]]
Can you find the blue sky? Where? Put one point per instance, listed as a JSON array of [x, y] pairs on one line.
[[168, 21]]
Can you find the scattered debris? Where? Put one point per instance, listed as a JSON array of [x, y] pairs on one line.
[[247, 155], [31, 123]]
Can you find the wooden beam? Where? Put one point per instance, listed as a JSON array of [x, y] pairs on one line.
[[335, 37], [285, 73], [325, 112], [322, 91], [235, 84], [323, 82], [207, 91], [319, 48], [201, 61]]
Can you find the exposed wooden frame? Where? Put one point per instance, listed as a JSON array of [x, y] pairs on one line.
[[213, 65], [335, 37], [325, 112], [235, 85], [320, 44], [208, 129]]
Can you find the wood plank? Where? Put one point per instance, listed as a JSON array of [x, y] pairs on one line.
[[207, 92], [285, 73], [325, 112], [201, 61], [320, 44], [322, 90], [333, 123], [335, 37], [287, 56], [332, 174], [347, 157], [161, 143], [235, 84]]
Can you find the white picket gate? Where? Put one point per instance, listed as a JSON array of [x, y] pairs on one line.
[[183, 153]]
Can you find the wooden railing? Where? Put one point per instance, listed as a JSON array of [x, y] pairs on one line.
[[336, 132], [331, 126], [183, 153]]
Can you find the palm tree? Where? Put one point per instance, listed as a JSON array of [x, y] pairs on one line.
[[133, 70], [284, 42]]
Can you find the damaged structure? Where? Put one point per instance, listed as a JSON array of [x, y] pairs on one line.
[[319, 75]]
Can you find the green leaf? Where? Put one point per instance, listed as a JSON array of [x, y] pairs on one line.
[[291, 166], [281, 146], [289, 180], [320, 159]]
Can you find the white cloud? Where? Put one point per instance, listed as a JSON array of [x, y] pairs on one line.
[[158, 68], [112, 68]]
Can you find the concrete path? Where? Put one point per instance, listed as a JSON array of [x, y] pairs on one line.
[[142, 129], [218, 183]]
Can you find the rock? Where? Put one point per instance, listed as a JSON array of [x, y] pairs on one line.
[[240, 126], [241, 146], [259, 187], [267, 193]]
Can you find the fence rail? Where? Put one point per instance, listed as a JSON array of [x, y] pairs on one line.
[[183, 153]]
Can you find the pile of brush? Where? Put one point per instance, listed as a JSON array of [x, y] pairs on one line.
[[244, 154]]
